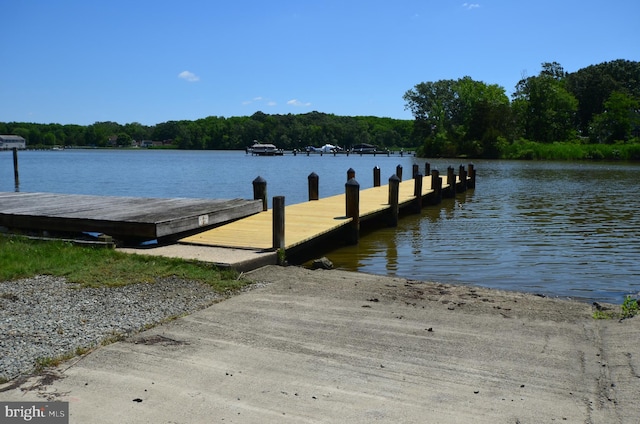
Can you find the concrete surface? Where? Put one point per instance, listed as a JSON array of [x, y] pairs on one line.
[[338, 347], [240, 259]]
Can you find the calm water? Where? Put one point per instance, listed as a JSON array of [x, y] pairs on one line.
[[562, 229]]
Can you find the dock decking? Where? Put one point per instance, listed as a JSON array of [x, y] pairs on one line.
[[126, 218], [306, 221]]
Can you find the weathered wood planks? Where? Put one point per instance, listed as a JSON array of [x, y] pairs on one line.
[[121, 217]]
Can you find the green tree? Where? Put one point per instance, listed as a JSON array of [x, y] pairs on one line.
[[137, 131], [49, 139], [450, 115], [593, 85], [621, 115], [124, 139], [544, 109]]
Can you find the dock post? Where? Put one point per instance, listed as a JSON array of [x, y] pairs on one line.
[[399, 171], [351, 174], [463, 178], [471, 183], [16, 174], [278, 224], [427, 168], [352, 195], [260, 191], [416, 170], [417, 191], [451, 180], [394, 200], [376, 176], [436, 186], [313, 186]]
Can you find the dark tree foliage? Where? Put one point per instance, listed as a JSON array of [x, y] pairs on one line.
[[592, 86], [544, 109], [219, 133], [467, 117], [459, 117]]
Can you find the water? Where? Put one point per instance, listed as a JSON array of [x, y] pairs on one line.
[[557, 228]]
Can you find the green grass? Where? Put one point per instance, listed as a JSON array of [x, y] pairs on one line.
[[628, 309], [100, 267], [529, 150]]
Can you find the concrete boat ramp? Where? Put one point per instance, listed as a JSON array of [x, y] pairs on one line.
[[338, 347]]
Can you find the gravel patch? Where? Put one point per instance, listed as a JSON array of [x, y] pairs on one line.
[[47, 317]]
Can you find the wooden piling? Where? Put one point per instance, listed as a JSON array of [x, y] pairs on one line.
[[463, 178], [16, 174], [417, 191], [394, 199], [451, 180], [399, 171], [351, 173], [427, 168], [376, 176], [278, 223], [436, 186], [260, 191], [471, 183], [416, 170], [314, 182], [352, 195]]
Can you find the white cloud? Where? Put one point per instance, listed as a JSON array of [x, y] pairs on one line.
[[259, 99], [188, 76], [297, 103], [470, 6]]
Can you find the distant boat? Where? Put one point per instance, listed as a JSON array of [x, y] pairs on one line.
[[327, 148], [365, 148], [264, 149]]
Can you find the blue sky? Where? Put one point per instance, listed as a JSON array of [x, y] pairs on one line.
[[79, 61]]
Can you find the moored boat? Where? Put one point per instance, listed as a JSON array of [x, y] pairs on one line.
[[264, 149]]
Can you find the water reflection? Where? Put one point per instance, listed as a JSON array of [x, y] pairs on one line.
[[554, 228]]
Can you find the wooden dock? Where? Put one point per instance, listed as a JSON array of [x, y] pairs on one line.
[[124, 218], [308, 221], [236, 223]]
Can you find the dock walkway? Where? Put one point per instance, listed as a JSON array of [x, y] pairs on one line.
[[305, 222]]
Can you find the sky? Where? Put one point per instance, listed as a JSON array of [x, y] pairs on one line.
[[152, 61]]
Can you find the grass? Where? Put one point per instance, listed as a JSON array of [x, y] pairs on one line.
[[529, 150], [99, 267], [628, 309]]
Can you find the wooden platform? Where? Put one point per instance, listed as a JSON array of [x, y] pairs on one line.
[[127, 218], [306, 221]]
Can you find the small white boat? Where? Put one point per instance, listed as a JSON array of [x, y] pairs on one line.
[[264, 149]]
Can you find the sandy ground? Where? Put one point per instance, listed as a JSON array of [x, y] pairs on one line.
[[339, 347]]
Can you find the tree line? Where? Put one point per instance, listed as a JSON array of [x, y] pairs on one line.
[[599, 104], [220, 133]]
